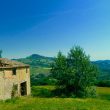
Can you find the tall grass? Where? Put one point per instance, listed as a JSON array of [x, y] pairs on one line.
[[102, 102]]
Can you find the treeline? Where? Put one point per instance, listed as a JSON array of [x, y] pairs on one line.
[[47, 79], [103, 83]]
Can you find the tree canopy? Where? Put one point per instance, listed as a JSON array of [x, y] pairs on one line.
[[0, 53], [75, 73]]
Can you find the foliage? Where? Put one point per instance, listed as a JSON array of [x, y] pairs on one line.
[[59, 69], [0, 53], [14, 91], [42, 79], [104, 66], [75, 73], [38, 62], [41, 76], [103, 83], [42, 91]]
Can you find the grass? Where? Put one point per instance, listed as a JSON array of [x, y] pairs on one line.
[[42, 91], [103, 93], [102, 102]]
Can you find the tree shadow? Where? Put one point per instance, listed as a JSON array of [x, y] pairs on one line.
[[52, 92], [104, 96], [44, 92]]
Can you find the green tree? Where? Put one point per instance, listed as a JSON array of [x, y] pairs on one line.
[[76, 74], [0, 53], [59, 68], [85, 72]]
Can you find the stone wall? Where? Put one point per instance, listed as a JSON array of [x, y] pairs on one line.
[[23, 75], [8, 80], [1, 85]]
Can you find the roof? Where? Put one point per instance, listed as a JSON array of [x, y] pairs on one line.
[[6, 63]]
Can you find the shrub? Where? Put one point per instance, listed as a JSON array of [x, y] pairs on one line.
[[41, 92]]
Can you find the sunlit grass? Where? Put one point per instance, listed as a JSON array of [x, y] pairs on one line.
[[103, 93], [102, 102]]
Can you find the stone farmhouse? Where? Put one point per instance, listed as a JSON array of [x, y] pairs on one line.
[[14, 79]]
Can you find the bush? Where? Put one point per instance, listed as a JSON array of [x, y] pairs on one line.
[[91, 92], [41, 92]]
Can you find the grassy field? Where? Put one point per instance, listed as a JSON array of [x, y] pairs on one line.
[[37, 70], [102, 102], [103, 93]]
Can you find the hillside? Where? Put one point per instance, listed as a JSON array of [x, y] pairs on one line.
[[104, 66], [38, 61]]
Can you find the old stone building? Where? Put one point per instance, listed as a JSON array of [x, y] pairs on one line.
[[14, 79]]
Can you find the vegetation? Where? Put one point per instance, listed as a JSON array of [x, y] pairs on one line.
[[75, 74], [48, 98], [103, 83], [41, 76], [42, 79], [36, 60], [102, 102], [103, 93], [14, 91], [43, 91], [0, 53], [39, 70], [104, 76], [41, 64]]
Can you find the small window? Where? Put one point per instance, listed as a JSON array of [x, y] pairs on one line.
[[14, 71], [26, 70]]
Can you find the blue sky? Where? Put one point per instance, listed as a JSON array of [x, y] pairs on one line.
[[47, 26]]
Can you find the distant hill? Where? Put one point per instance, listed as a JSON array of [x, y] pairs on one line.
[[104, 66], [36, 60]]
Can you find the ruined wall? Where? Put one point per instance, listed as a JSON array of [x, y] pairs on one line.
[[8, 80], [23, 75], [1, 85]]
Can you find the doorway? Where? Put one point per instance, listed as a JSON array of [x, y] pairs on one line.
[[23, 88]]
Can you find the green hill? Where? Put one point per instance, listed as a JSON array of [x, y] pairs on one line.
[[40, 64], [104, 66], [36, 60]]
